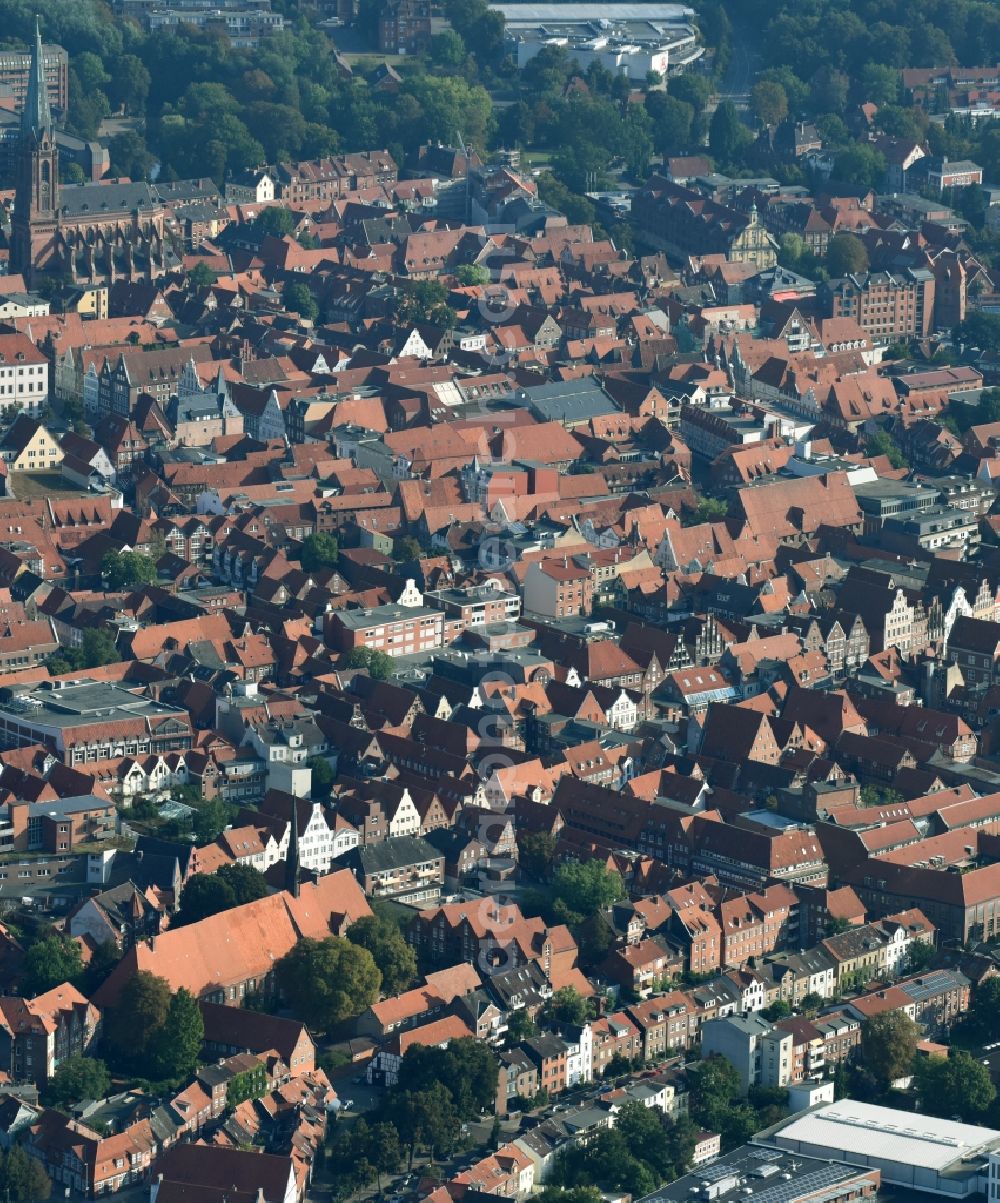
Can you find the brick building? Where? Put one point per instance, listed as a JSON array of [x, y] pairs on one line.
[[886, 305], [404, 26]]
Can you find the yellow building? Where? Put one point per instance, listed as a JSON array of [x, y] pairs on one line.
[[89, 300], [27, 446]]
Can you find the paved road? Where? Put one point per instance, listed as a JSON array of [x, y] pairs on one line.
[[744, 63], [739, 75]]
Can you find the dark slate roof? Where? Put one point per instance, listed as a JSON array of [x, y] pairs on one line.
[[394, 854]]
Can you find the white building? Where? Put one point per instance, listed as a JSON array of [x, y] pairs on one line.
[[760, 1053], [918, 1152], [580, 1056], [316, 841], [24, 375]]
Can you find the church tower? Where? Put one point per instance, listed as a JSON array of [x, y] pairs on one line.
[[36, 199]]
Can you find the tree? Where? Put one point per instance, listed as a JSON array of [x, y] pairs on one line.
[[536, 853], [127, 570], [384, 1152], [861, 165], [695, 90], [205, 894], [471, 274], [921, 956], [378, 664], [210, 819], [954, 1085], [880, 85], [595, 937], [50, 962], [78, 1078], [779, 1009], [102, 960], [881, 442], [328, 981], [769, 102], [406, 548], [297, 297], [577, 209], [569, 1194], [708, 509], [448, 103], [466, 1067], [846, 255], [610, 1162], [980, 330], [425, 301], [425, 1118], [22, 1178], [319, 551], [984, 1014], [682, 1137], [395, 959], [129, 83], [888, 1045], [618, 1064], [209, 893], [672, 122], [135, 1019], [129, 156], [176, 1044], [321, 784], [582, 888], [275, 221], [567, 1006], [829, 89], [520, 1026], [727, 135], [643, 1130], [202, 276], [880, 795], [717, 1103], [96, 648], [716, 1083]]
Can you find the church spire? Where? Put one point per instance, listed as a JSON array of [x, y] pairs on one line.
[[292, 858], [36, 117]]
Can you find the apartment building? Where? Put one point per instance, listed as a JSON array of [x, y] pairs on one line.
[[394, 629], [38, 1034], [15, 67], [24, 375], [760, 1053], [886, 305], [407, 869], [477, 605], [558, 588]]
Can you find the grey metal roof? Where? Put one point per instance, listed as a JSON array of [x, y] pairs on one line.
[[82, 200], [573, 400], [395, 853], [653, 11], [887, 1136]]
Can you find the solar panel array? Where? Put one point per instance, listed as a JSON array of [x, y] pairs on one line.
[[783, 1192]]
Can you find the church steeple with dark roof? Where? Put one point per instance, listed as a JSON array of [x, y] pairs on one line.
[[36, 116], [36, 197], [292, 857]]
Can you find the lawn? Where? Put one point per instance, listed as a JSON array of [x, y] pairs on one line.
[[25, 485]]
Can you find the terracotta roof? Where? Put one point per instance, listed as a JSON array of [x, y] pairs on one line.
[[242, 943]]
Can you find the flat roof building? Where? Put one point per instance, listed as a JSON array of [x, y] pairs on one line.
[[85, 720], [757, 1174], [921, 1152]]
